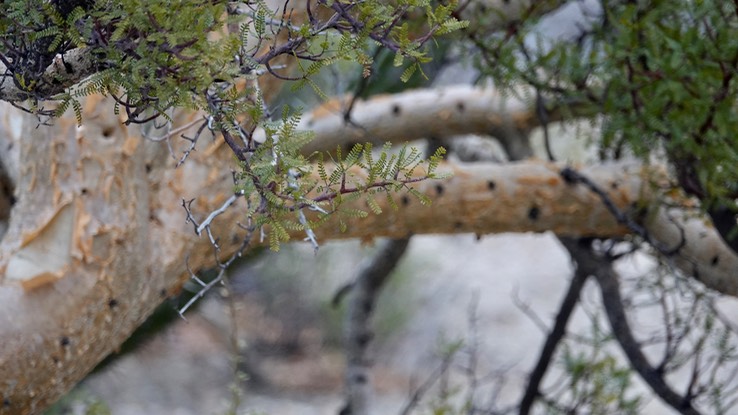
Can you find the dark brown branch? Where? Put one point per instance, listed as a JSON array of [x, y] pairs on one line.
[[532, 391], [601, 268], [574, 177], [725, 221]]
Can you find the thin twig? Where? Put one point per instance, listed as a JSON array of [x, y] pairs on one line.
[[206, 223], [423, 388], [572, 176], [602, 270], [223, 267]]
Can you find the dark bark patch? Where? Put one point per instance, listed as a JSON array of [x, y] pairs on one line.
[[368, 307], [458, 225], [696, 273], [363, 339]]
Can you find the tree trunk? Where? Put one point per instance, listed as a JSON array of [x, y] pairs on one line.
[[97, 237]]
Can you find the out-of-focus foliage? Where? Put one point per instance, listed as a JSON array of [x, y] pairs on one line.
[[661, 73]]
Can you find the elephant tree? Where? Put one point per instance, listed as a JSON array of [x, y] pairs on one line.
[[161, 121]]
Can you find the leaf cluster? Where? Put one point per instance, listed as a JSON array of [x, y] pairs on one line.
[[663, 75], [156, 55], [33, 32], [282, 185]]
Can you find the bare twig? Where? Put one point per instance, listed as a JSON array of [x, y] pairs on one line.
[[206, 223], [222, 268], [420, 391], [572, 176], [601, 268], [472, 350]]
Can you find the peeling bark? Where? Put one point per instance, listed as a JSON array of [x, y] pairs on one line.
[[117, 198]]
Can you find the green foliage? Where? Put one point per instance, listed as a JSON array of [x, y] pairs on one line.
[[595, 381], [76, 399], [281, 184], [601, 382], [153, 56], [162, 54], [662, 74]]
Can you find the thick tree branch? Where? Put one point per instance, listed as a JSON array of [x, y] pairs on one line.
[[98, 238], [422, 113], [506, 12]]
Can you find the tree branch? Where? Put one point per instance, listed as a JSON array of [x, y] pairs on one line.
[[373, 272], [557, 333], [110, 209], [421, 113], [607, 278]]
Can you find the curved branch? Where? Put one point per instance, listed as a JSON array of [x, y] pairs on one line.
[[557, 333], [421, 113], [97, 240], [613, 303]]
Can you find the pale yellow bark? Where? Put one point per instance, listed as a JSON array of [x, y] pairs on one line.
[[98, 239]]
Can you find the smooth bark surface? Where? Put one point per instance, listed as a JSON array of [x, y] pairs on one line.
[[421, 113]]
